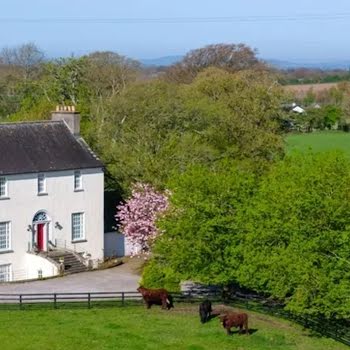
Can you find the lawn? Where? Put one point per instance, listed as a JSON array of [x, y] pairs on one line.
[[134, 327], [319, 141]]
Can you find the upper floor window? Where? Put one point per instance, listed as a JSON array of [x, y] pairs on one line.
[[77, 226], [3, 187], [5, 273], [78, 181], [5, 236], [41, 183]]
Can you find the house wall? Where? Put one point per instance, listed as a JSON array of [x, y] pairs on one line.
[[59, 203], [114, 244], [36, 263]]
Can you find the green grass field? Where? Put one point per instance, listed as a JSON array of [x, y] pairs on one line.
[[135, 328], [319, 142]]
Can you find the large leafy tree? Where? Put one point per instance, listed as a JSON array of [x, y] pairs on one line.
[[109, 73], [23, 60], [155, 128], [200, 229], [230, 57], [295, 234]]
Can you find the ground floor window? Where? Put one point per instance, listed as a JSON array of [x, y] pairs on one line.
[[5, 273], [4, 236], [77, 226]]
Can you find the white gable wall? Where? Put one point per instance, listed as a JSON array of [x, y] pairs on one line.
[[59, 203]]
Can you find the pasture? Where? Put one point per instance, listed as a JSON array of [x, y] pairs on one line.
[[319, 142], [134, 327]]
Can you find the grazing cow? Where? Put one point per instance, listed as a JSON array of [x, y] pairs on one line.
[[156, 297], [205, 311], [235, 319]]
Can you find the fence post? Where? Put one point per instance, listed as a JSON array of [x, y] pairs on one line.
[[20, 301], [89, 300], [123, 298], [55, 301]]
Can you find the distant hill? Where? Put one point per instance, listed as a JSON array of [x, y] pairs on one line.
[[281, 64], [312, 65], [160, 61]]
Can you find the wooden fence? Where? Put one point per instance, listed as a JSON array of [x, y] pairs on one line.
[[336, 329]]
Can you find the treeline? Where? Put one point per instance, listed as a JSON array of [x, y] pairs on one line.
[[299, 76], [324, 108]]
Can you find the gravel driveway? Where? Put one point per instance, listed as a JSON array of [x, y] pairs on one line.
[[120, 278]]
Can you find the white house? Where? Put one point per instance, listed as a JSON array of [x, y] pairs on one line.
[[298, 110], [51, 198]]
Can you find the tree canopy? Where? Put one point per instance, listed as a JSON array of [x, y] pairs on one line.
[[295, 234], [230, 57], [284, 232], [154, 128]]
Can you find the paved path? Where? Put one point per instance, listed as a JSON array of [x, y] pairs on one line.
[[120, 278]]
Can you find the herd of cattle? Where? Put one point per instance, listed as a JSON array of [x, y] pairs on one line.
[[228, 318]]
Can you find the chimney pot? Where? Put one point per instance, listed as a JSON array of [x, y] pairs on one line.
[[70, 116]]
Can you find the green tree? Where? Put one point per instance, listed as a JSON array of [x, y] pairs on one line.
[[332, 116], [24, 60], [200, 228], [155, 128], [109, 73], [295, 234], [62, 82]]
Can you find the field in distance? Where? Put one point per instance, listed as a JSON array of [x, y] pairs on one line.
[[319, 142], [134, 327], [300, 90]]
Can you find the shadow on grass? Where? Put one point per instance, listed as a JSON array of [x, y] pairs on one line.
[[238, 332]]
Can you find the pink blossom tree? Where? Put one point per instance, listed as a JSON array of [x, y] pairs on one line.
[[136, 217]]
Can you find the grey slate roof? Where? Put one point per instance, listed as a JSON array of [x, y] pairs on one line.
[[42, 147]]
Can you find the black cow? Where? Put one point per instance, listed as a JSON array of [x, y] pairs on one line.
[[205, 311]]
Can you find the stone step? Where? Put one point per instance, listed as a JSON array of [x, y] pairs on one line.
[[71, 261]]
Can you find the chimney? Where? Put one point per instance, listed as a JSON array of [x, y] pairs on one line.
[[69, 116]]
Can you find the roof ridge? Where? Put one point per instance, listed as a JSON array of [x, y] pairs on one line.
[[32, 122]]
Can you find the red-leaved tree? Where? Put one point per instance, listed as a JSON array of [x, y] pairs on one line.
[[136, 217]]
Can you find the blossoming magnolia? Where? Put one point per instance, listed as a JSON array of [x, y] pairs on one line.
[[138, 214]]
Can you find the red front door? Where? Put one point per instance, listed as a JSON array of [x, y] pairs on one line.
[[41, 236]]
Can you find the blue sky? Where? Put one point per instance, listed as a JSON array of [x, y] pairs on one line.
[[282, 37]]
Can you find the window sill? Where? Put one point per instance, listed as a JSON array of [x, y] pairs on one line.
[[4, 198], [79, 241], [79, 190], [43, 194], [6, 251]]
